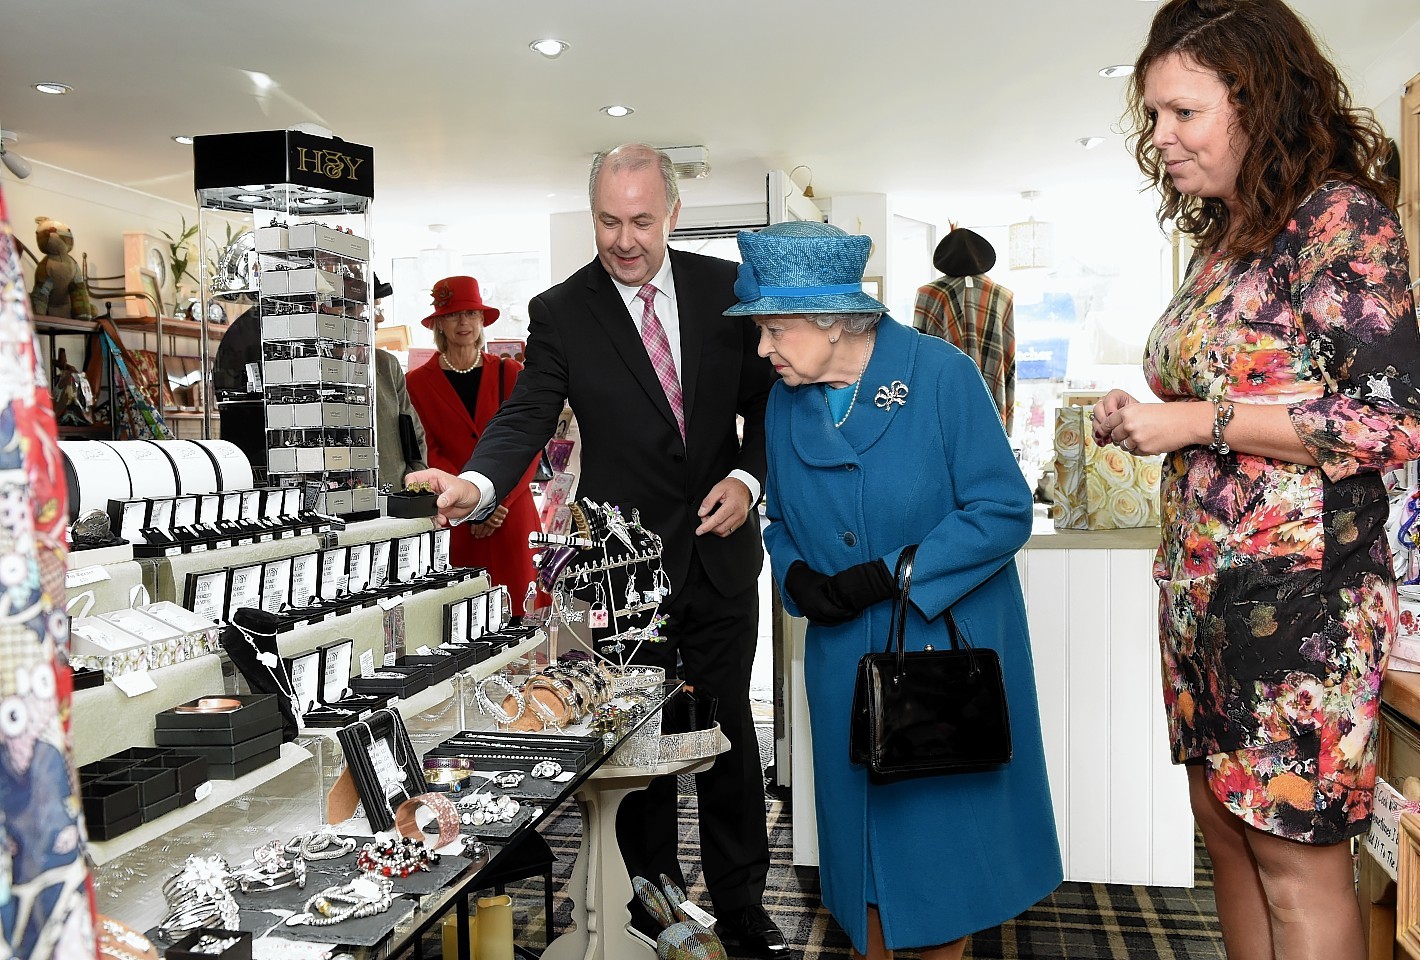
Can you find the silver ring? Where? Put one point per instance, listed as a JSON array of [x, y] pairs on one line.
[[1126, 446]]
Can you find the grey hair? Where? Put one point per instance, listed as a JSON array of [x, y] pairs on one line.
[[634, 156], [853, 323]]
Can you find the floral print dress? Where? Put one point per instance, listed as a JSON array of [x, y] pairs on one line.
[[1277, 598]]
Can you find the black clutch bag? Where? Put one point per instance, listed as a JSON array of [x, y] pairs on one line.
[[928, 712]]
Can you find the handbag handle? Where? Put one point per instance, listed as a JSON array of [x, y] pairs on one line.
[[897, 627]]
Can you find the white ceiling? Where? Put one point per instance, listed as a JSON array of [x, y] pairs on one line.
[[924, 98]]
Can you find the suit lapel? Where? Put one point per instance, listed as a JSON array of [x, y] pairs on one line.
[[692, 329], [609, 309]]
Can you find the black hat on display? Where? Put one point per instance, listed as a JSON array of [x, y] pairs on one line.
[[383, 290], [964, 253]]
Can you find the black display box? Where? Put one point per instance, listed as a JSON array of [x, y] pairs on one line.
[[135, 755], [108, 801], [108, 829], [190, 770], [229, 754], [98, 769], [411, 506], [464, 655], [186, 948], [411, 680], [223, 771], [258, 715], [85, 679], [441, 667], [155, 784], [153, 811]]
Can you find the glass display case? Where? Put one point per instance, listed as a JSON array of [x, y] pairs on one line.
[[284, 226]]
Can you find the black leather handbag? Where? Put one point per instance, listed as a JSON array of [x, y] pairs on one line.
[[928, 712]]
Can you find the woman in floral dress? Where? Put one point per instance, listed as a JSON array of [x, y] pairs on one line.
[[1288, 364]]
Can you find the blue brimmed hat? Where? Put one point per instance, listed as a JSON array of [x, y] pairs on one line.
[[802, 267]]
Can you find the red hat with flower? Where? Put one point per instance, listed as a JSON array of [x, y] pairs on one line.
[[456, 294]]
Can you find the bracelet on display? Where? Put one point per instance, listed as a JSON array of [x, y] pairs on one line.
[[323, 844], [268, 870], [1222, 416], [118, 941], [446, 779], [498, 714], [365, 896], [451, 763], [392, 856], [445, 814]]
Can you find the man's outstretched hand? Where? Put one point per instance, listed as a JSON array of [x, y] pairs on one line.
[[457, 497]]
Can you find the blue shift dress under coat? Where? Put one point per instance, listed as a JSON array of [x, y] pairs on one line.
[[949, 855]]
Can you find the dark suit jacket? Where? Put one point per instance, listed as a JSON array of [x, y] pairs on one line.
[[584, 347]]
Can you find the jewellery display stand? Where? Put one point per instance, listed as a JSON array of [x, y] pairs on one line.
[[611, 563], [309, 282]]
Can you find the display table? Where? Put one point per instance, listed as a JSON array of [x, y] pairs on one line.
[[1121, 805], [599, 887]]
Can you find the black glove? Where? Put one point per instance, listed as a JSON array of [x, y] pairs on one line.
[[861, 586], [808, 589]]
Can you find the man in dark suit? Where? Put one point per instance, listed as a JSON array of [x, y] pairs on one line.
[[636, 343]]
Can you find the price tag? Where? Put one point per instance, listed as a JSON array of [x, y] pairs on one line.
[[83, 576], [389, 603], [367, 663], [697, 914], [203, 791], [1383, 840], [135, 684], [424, 651]]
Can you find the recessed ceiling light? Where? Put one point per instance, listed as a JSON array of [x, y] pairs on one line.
[[250, 198], [183, 139], [1118, 70], [549, 48], [58, 89], [618, 110], [1089, 143]]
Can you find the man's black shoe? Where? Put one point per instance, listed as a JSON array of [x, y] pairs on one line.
[[751, 930]]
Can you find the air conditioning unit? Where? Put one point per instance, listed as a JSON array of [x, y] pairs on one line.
[[691, 163]]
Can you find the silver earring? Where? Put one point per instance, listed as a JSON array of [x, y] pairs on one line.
[[832, 339]]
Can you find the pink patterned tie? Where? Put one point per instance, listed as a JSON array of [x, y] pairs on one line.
[[658, 348]]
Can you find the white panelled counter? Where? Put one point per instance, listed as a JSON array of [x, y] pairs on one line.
[[1121, 807]]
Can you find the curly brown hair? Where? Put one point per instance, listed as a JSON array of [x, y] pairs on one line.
[[1292, 107]]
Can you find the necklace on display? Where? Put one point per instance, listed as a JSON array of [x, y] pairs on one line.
[[477, 362], [867, 352]]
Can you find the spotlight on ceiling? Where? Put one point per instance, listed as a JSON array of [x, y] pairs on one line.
[[182, 139], [57, 89], [15, 163], [1117, 70], [1089, 143], [618, 110], [549, 48]]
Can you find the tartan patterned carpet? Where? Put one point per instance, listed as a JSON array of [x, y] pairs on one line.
[[1080, 921]]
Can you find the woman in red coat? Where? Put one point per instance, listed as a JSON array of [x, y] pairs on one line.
[[456, 393]]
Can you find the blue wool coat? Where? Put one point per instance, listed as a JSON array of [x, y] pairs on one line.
[[941, 857]]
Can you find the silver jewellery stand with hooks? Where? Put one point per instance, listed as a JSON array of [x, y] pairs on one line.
[[613, 564]]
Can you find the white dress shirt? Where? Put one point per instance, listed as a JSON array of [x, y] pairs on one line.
[[668, 312]]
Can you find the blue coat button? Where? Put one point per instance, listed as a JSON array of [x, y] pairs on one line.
[[849, 539]]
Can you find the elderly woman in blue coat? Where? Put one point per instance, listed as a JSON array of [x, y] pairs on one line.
[[880, 437]]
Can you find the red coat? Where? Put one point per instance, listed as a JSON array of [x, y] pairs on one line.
[[452, 432]]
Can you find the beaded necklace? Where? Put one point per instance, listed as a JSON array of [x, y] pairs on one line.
[[867, 352]]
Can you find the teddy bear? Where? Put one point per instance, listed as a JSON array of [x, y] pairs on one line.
[[59, 289]]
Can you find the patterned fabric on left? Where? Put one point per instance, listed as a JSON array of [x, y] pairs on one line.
[[46, 901]]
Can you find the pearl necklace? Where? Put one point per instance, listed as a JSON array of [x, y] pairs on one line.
[[867, 352], [477, 362]]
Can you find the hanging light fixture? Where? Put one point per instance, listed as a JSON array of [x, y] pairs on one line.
[[1031, 243], [808, 181]]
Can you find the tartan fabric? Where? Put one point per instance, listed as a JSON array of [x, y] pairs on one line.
[[980, 320], [658, 348]]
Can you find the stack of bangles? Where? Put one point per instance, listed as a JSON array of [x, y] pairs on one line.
[[447, 774], [365, 896], [391, 856], [200, 895], [269, 870]]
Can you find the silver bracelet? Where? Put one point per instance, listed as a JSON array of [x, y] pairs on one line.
[[498, 714], [1222, 416]]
